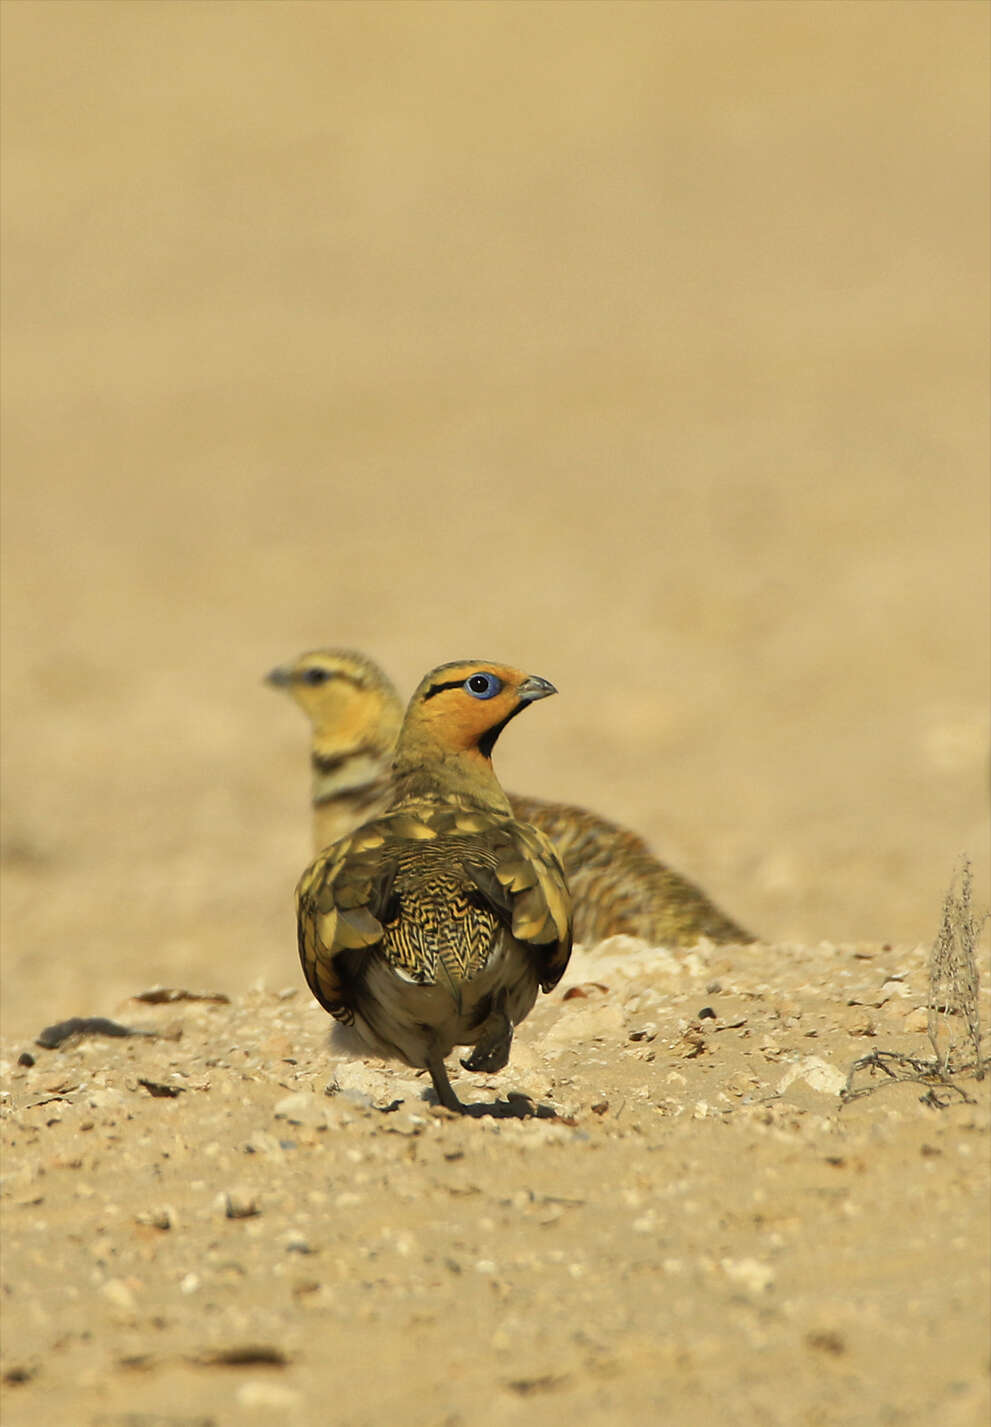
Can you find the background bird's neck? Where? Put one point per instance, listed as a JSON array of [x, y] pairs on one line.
[[346, 789], [338, 815], [339, 770]]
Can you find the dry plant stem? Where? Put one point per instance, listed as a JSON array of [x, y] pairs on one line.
[[954, 979], [954, 986], [901, 1068]]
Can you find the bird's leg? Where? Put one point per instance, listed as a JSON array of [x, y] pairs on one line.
[[442, 1085], [495, 1037]]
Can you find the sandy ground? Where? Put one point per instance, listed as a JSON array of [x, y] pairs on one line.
[[642, 346], [229, 1222]]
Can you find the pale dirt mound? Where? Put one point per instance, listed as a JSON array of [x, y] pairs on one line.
[[232, 1222]]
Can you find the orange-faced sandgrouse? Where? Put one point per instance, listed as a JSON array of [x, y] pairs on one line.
[[617, 884], [435, 923]]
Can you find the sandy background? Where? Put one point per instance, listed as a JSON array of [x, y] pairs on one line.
[[643, 346]]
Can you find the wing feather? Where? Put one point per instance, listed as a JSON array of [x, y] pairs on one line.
[[349, 903], [525, 885]]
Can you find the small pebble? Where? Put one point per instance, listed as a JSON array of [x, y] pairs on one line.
[[271, 1395], [749, 1273], [861, 1023], [262, 1142], [303, 1108], [297, 1243], [118, 1293], [163, 1216], [817, 1073], [240, 1204], [405, 1122]]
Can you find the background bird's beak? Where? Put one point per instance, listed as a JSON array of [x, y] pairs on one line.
[[280, 677], [533, 687]]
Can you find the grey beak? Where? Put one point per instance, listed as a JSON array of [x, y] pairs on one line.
[[534, 687], [280, 677]]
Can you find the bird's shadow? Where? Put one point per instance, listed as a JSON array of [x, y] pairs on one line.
[[514, 1107]]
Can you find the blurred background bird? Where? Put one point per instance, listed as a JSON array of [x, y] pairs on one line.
[[435, 924], [355, 713], [617, 884]]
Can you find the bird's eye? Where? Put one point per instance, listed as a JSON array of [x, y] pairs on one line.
[[482, 686], [315, 676]]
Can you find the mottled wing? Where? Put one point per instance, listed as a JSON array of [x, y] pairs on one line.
[[340, 901], [618, 886], [519, 874]]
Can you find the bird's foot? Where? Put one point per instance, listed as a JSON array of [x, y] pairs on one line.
[[491, 1050]]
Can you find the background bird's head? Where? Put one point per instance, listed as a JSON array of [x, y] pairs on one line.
[[461, 708], [347, 698]]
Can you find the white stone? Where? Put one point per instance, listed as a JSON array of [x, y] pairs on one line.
[[817, 1073], [303, 1108], [749, 1273], [274, 1396], [118, 1293]]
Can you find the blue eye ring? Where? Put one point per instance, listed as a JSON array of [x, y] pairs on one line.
[[482, 686]]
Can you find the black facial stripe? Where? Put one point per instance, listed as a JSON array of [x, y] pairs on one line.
[[330, 762], [439, 688], [300, 677], [488, 739]]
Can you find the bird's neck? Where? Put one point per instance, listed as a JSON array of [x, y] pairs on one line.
[[347, 787], [465, 777]]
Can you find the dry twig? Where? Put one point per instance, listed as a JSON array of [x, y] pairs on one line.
[[954, 981], [954, 985]]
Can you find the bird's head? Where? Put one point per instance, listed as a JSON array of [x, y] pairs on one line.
[[346, 696], [458, 712]]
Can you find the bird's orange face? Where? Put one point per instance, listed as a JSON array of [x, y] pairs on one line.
[[463, 707]]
